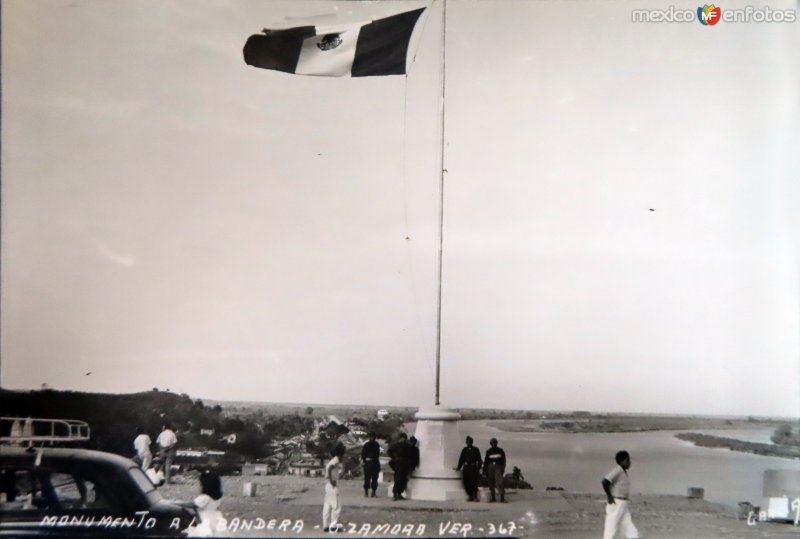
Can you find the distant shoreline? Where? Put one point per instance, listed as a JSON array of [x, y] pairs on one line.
[[767, 450], [570, 429], [625, 424], [617, 424]]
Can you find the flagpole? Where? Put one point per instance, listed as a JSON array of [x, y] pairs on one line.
[[436, 477], [442, 172]]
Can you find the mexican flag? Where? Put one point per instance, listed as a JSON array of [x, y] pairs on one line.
[[376, 48]]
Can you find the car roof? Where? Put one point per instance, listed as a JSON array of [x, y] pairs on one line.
[[21, 455]]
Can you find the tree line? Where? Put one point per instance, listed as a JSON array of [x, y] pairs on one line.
[[113, 419]]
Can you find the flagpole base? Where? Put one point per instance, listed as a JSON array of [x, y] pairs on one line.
[[439, 447]]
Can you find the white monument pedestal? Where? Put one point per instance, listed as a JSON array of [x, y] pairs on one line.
[[439, 447]]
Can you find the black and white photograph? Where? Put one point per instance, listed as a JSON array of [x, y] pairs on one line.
[[400, 269]]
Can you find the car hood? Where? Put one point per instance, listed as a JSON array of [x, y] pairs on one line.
[[173, 507], [180, 503]]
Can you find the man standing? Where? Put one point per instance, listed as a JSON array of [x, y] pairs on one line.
[[167, 442], [617, 488], [331, 507], [470, 461], [142, 444], [413, 452], [494, 467], [400, 462], [370, 457]]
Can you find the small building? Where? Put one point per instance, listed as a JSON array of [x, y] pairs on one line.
[[307, 468], [782, 492], [255, 468], [383, 413], [206, 432]]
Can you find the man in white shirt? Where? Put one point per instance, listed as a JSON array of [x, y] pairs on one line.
[[155, 474], [142, 444], [331, 506], [617, 488], [167, 441]]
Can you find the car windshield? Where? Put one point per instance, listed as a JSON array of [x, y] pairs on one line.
[[145, 484]]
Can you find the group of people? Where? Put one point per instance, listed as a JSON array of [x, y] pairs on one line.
[[616, 484], [493, 467], [158, 469], [404, 458]]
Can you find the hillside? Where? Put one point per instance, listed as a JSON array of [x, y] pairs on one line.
[[113, 419]]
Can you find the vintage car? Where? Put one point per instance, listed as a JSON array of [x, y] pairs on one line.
[[79, 492]]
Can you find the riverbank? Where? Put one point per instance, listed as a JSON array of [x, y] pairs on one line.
[[607, 423], [767, 450], [291, 506], [626, 424]]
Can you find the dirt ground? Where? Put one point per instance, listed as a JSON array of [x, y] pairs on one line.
[[291, 506]]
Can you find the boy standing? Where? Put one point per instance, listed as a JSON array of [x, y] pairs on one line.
[[617, 488], [331, 508]]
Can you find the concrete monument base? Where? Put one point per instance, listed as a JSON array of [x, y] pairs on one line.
[[439, 447]]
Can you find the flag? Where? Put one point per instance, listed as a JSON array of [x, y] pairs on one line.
[[359, 50]]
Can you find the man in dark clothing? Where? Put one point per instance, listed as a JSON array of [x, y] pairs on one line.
[[370, 457], [493, 468], [400, 462], [414, 452], [470, 461]]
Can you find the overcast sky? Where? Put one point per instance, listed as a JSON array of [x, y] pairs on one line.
[[621, 222]]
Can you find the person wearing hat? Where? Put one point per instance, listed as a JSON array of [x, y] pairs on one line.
[[494, 467], [470, 461], [370, 457], [155, 474]]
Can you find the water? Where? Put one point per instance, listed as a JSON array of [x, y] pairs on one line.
[[662, 464]]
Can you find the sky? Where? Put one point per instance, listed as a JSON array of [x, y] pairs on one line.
[[620, 208]]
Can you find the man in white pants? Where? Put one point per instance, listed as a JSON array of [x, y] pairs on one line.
[[331, 508], [142, 444], [617, 488], [167, 441]]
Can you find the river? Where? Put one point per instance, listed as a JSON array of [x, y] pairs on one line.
[[662, 464]]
